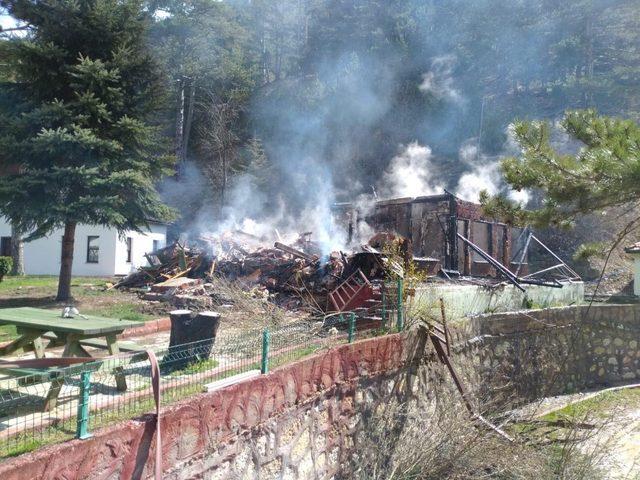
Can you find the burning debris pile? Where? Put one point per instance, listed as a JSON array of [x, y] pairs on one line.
[[297, 273]]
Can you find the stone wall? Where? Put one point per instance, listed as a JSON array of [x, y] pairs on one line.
[[301, 421], [528, 355], [294, 423]]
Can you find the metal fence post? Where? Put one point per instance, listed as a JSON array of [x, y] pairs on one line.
[[384, 308], [82, 420], [352, 326], [400, 324], [264, 366]]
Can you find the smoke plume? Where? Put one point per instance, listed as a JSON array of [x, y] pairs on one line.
[[411, 173]]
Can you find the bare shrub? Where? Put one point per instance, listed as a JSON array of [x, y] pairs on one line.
[[247, 306], [434, 438]]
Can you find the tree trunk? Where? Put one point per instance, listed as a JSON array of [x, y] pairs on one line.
[[66, 262], [189, 121], [17, 251], [223, 190], [264, 61], [179, 124], [588, 95]]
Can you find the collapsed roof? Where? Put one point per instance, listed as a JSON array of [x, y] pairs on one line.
[[453, 236]]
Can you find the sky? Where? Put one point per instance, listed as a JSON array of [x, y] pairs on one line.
[[7, 21]]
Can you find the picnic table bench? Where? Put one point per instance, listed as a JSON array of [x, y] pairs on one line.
[[36, 326]]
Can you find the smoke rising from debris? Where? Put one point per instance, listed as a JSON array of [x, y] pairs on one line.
[[410, 174], [404, 122], [439, 81]]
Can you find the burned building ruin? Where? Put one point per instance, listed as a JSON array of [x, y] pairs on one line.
[[454, 237]]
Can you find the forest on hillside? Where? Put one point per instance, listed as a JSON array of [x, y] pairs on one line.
[[293, 100]]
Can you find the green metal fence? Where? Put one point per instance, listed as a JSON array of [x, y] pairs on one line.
[[92, 395]]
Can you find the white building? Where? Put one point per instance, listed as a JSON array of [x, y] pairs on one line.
[[98, 251], [634, 251]]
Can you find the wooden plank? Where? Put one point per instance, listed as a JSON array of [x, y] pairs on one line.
[[24, 342], [48, 320], [295, 252], [32, 376], [38, 346]]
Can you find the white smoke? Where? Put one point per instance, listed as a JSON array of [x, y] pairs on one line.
[[271, 218], [410, 174], [438, 81], [484, 174]]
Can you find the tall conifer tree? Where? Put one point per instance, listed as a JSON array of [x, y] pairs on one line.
[[78, 145]]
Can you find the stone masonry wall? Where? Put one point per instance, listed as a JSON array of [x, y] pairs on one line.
[[302, 420], [522, 356], [294, 423]]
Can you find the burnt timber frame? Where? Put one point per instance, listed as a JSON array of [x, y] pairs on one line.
[[452, 232]]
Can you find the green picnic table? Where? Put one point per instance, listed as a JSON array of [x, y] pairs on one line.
[[37, 326]]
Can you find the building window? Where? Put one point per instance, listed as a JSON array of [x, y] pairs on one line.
[[129, 249], [93, 249], [156, 245], [5, 246]]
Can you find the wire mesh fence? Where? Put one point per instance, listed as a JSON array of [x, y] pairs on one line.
[[56, 404]]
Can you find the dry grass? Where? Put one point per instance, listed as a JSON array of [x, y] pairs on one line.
[[248, 308], [435, 439]]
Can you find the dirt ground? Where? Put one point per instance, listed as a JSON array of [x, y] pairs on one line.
[[603, 426], [241, 310]]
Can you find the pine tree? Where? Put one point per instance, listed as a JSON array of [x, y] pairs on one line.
[[604, 173], [77, 137]]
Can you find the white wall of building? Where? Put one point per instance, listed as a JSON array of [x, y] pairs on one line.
[[141, 244], [636, 274], [42, 256]]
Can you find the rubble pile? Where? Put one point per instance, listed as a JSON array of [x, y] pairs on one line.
[[173, 261], [183, 274]]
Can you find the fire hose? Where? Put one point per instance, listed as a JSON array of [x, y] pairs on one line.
[[68, 361]]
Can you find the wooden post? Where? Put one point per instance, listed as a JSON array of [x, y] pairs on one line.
[[51, 400], [384, 307], [467, 251], [112, 346], [506, 242]]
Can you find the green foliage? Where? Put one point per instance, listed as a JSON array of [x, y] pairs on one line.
[[334, 79], [6, 263], [603, 173], [590, 250], [198, 366], [78, 141]]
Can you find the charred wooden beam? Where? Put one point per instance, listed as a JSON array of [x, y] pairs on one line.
[[295, 252]]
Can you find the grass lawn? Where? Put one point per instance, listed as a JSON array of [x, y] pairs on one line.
[[89, 294], [599, 406]]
